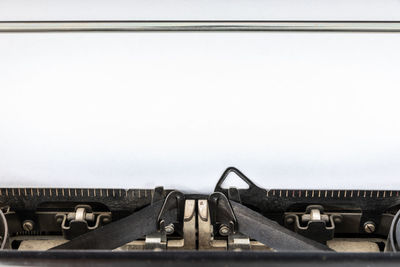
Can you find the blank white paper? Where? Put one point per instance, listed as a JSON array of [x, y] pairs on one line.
[[137, 110]]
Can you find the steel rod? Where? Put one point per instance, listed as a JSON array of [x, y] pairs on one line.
[[291, 26]]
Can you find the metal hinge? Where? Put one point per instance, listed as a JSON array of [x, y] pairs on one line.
[[81, 221], [313, 223]]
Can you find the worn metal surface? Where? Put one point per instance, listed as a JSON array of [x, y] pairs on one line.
[[189, 224]]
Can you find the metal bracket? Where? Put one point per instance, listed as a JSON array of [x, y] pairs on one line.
[[239, 242], [313, 224], [218, 187], [206, 239], [222, 216], [170, 218], [76, 223]]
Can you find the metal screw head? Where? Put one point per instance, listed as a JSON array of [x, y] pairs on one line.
[[59, 220], [289, 220], [169, 229], [369, 227], [224, 230], [337, 220], [28, 225]]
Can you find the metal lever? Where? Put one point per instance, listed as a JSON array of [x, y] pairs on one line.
[[141, 223], [270, 233]]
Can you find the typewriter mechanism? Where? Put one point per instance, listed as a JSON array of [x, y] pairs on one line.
[[326, 222]]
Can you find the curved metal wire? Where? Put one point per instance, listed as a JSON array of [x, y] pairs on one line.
[[4, 220], [392, 233]]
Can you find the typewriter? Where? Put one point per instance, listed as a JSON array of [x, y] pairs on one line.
[[230, 226]]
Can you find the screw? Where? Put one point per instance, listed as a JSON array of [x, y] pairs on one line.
[[289, 220], [369, 227], [169, 229], [337, 220], [28, 225], [224, 230], [59, 220]]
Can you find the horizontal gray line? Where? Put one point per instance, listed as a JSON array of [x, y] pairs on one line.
[[292, 26]]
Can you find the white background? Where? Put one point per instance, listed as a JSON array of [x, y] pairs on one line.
[[291, 110], [200, 9]]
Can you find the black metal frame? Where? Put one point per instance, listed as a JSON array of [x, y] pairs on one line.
[[261, 200], [196, 258]]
